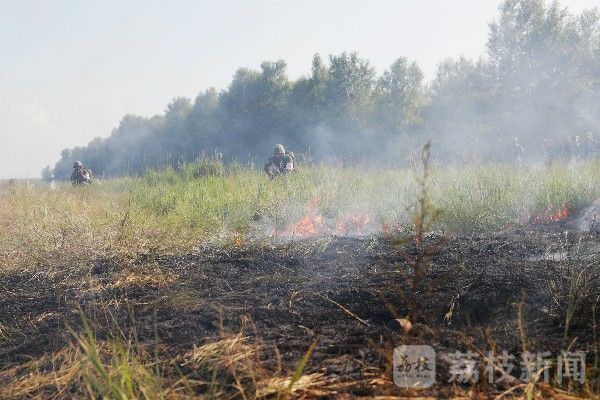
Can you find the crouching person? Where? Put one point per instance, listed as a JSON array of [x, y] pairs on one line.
[[281, 163], [80, 175]]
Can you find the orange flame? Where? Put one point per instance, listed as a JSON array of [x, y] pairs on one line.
[[388, 229], [560, 215], [354, 223], [309, 225], [313, 223], [557, 216]]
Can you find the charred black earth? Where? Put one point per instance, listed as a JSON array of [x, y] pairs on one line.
[[344, 293]]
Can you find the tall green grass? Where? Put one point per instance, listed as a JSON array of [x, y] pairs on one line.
[[175, 210]]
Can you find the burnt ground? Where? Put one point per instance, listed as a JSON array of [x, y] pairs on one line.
[[343, 293]]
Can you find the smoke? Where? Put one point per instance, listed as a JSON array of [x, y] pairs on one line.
[[323, 143], [532, 98]]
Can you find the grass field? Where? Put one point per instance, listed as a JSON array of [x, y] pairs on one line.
[[55, 240], [206, 202]]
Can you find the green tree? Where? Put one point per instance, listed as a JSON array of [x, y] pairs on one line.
[[400, 97], [349, 91]]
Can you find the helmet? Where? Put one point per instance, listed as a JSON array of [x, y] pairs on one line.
[[279, 149], [77, 164]]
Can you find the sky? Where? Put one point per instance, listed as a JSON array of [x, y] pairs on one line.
[[71, 69]]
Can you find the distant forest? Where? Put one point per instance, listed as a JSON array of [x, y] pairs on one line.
[[533, 96]]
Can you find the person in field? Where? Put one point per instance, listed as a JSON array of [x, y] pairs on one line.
[[80, 175], [281, 163]]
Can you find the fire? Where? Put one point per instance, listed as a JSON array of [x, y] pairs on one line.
[[354, 223], [309, 225], [388, 229], [314, 224], [559, 215]]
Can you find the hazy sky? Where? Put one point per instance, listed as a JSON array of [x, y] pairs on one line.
[[69, 70]]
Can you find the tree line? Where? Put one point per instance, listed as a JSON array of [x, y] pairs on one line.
[[533, 95]]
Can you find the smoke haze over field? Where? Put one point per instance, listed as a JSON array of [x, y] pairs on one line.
[[76, 69]]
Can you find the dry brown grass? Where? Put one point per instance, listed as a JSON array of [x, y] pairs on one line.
[[39, 226], [171, 212], [229, 367], [71, 226], [50, 376], [149, 277]]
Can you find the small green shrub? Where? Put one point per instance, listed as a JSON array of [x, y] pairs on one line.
[[204, 167]]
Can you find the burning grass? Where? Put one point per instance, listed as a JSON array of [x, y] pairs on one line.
[[172, 211], [146, 255]]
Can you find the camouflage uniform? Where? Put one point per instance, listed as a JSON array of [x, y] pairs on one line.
[[281, 163], [80, 175]]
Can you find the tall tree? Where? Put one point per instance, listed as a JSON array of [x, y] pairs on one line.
[[400, 97]]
